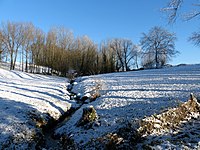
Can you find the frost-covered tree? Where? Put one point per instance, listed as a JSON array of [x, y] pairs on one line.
[[148, 60], [158, 47], [195, 38], [136, 53], [176, 9]]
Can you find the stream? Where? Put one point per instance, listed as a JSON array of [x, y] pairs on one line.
[[49, 140]]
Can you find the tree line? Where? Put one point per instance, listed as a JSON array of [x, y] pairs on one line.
[[59, 51]]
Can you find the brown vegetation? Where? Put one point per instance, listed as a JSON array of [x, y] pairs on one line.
[[170, 119], [89, 115], [60, 52], [135, 132]]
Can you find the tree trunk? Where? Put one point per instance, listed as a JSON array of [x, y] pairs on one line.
[[11, 61], [26, 65], [22, 60], [136, 62], [156, 58], [15, 60]]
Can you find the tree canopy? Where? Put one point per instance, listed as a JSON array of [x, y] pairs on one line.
[[158, 47]]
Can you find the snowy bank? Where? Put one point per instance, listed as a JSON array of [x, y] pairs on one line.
[[130, 96], [175, 128], [28, 102]]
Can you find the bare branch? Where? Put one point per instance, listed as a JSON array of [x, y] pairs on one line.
[[172, 10], [192, 14], [195, 38]]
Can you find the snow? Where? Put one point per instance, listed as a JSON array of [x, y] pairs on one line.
[[131, 96], [27, 101], [24, 100], [184, 137]]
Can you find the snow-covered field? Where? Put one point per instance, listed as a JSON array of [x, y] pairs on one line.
[[28, 101], [131, 96]]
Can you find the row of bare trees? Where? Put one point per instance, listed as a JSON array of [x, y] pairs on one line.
[[16, 39], [59, 51]]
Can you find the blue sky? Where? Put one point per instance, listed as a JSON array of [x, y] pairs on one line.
[[103, 19]]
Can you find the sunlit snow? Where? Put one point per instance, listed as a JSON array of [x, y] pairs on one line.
[[132, 95], [123, 97], [23, 95]]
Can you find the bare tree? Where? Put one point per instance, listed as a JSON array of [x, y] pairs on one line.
[[26, 45], [136, 53], [116, 45], [173, 10], [127, 52], [76, 55], [158, 46], [148, 60], [12, 35], [108, 57], [37, 47], [122, 48], [195, 38], [51, 49], [1, 46], [89, 55], [65, 40]]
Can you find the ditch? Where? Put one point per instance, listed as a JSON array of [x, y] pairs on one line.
[[51, 142]]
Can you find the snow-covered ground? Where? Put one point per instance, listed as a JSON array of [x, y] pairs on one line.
[[130, 96], [28, 101]]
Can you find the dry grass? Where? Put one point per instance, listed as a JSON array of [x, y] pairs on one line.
[[130, 135], [170, 119]]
